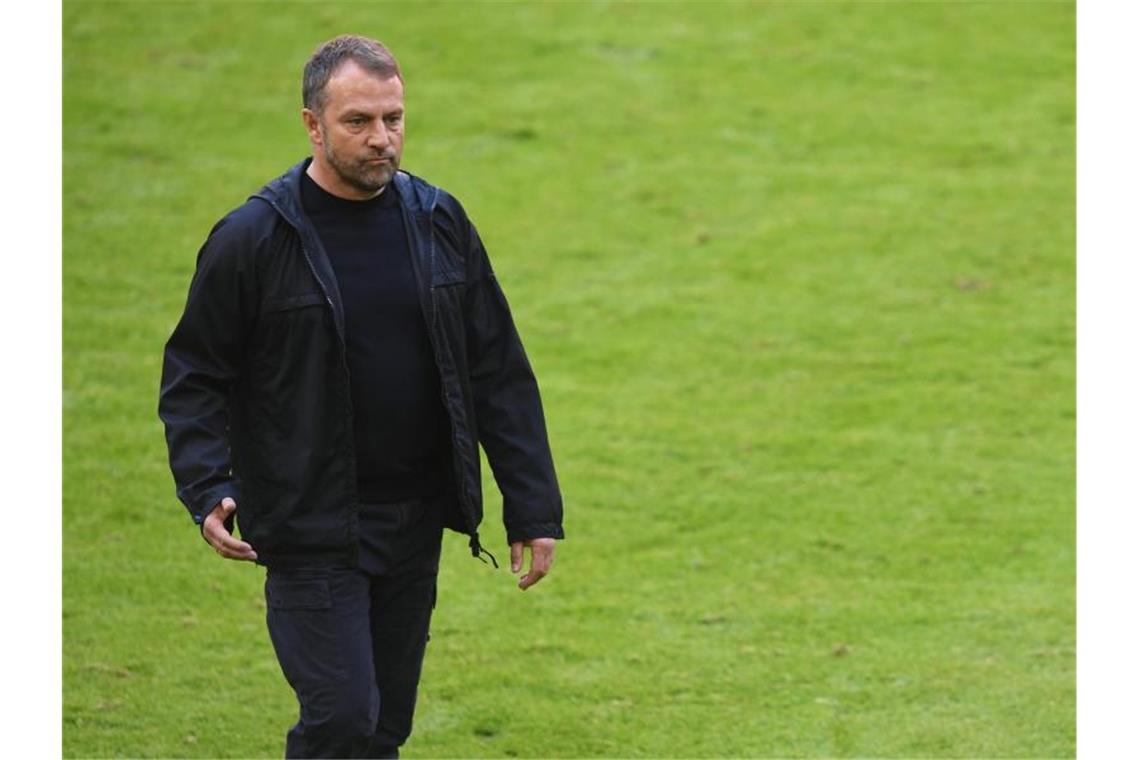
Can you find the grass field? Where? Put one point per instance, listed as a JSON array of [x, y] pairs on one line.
[[798, 284]]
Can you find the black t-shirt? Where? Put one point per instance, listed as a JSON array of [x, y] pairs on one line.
[[401, 428]]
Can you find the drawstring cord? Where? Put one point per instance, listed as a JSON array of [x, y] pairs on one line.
[[477, 549]]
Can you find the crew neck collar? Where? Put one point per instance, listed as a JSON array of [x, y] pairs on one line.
[[315, 197]]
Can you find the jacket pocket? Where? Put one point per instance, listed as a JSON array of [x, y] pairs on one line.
[[284, 303], [443, 275], [282, 593]]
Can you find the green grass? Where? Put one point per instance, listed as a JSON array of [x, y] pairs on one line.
[[798, 283]]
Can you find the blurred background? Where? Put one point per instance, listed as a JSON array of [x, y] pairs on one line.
[[797, 281]]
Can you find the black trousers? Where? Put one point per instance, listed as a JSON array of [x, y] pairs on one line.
[[351, 640]]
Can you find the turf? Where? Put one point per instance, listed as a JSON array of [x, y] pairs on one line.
[[798, 284]]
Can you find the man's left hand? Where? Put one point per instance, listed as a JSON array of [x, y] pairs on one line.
[[541, 558]]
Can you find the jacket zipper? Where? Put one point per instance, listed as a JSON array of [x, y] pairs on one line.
[[354, 508], [431, 318]]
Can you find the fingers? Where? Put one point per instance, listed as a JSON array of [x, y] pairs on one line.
[[516, 556], [214, 530], [541, 559], [230, 547]]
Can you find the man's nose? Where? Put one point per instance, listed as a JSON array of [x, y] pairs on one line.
[[378, 137]]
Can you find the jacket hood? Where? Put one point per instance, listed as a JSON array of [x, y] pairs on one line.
[[284, 193]]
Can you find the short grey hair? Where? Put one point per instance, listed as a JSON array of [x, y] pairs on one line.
[[329, 57]]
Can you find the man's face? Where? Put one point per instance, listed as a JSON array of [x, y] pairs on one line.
[[358, 137]]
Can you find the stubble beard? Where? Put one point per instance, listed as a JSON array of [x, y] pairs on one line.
[[365, 177]]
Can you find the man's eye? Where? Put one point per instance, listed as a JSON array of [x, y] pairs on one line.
[[394, 119]]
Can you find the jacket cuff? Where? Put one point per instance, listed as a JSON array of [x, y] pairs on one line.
[[205, 502], [534, 530]]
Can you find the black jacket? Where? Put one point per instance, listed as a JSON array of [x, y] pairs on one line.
[[255, 394]]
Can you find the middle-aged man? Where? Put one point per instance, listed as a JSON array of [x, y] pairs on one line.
[[344, 350]]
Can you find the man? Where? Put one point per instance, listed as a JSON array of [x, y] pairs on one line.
[[344, 349]]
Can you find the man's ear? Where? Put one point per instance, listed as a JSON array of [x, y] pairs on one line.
[[312, 126]]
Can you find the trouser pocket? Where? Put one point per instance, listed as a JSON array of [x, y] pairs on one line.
[[319, 624]]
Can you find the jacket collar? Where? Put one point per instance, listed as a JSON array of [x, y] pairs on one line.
[[284, 194]]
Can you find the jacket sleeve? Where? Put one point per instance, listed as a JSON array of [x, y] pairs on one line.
[[200, 367], [508, 409]]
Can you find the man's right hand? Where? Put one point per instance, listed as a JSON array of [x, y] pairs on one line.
[[215, 533]]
